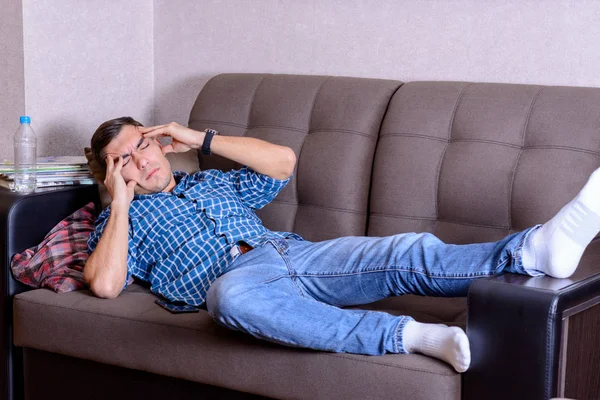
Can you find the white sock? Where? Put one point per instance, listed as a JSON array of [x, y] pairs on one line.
[[449, 344], [556, 248]]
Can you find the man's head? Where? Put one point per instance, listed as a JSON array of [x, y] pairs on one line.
[[143, 160]]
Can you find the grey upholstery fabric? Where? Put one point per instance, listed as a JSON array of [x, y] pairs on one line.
[[131, 331], [473, 162], [332, 123]]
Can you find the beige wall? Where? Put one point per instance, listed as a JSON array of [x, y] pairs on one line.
[[12, 90], [550, 42], [85, 62], [70, 65]]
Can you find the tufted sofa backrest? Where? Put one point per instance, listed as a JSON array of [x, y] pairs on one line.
[[332, 123], [473, 162], [469, 162]]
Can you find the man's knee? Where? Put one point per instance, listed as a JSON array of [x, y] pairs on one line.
[[228, 298], [427, 239], [422, 239]]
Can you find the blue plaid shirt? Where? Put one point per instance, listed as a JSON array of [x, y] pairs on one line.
[[180, 241]]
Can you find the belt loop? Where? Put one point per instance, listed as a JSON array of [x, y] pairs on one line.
[[281, 245]]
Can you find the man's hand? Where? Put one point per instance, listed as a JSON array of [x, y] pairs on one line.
[[106, 268], [263, 157], [184, 139], [120, 192]]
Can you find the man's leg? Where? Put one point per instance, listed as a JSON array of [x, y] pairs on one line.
[[259, 296], [288, 291], [358, 270], [554, 249], [282, 308]]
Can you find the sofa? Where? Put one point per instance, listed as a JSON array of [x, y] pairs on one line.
[[469, 162]]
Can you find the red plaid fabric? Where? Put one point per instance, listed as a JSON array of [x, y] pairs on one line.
[[57, 263]]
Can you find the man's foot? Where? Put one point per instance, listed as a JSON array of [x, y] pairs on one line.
[[449, 344], [556, 248]]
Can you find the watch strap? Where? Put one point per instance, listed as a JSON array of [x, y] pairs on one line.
[[209, 133]]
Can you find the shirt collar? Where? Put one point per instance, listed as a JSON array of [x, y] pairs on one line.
[[180, 187]]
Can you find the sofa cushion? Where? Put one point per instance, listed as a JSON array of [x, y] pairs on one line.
[[133, 332], [334, 141]]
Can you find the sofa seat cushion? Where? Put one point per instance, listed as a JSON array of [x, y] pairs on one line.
[[132, 331]]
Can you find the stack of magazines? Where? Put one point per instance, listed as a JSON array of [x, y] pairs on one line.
[[52, 171]]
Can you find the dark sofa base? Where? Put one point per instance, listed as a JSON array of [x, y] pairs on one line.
[[55, 376]]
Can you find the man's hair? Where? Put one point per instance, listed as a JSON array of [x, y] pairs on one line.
[[106, 133]]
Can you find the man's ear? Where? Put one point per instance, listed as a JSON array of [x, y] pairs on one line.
[[96, 168]]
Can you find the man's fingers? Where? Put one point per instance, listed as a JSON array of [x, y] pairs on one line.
[[110, 165], [131, 184], [144, 129], [118, 164], [154, 131], [156, 134], [113, 167], [168, 149]]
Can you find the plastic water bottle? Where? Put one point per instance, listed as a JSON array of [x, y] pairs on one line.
[[25, 157]]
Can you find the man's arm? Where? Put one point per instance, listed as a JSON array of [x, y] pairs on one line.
[[106, 268], [263, 157]]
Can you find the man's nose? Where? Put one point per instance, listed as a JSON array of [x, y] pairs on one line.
[[140, 161]]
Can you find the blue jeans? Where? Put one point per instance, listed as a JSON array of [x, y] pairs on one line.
[[290, 292]]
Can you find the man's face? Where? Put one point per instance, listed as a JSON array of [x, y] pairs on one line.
[[143, 161]]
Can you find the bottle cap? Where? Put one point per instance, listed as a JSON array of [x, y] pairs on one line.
[[25, 119]]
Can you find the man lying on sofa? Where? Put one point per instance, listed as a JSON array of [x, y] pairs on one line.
[[196, 239]]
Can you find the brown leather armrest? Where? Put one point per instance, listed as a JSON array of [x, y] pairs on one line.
[[515, 328]]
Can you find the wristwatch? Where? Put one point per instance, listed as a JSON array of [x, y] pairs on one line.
[[209, 133]]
